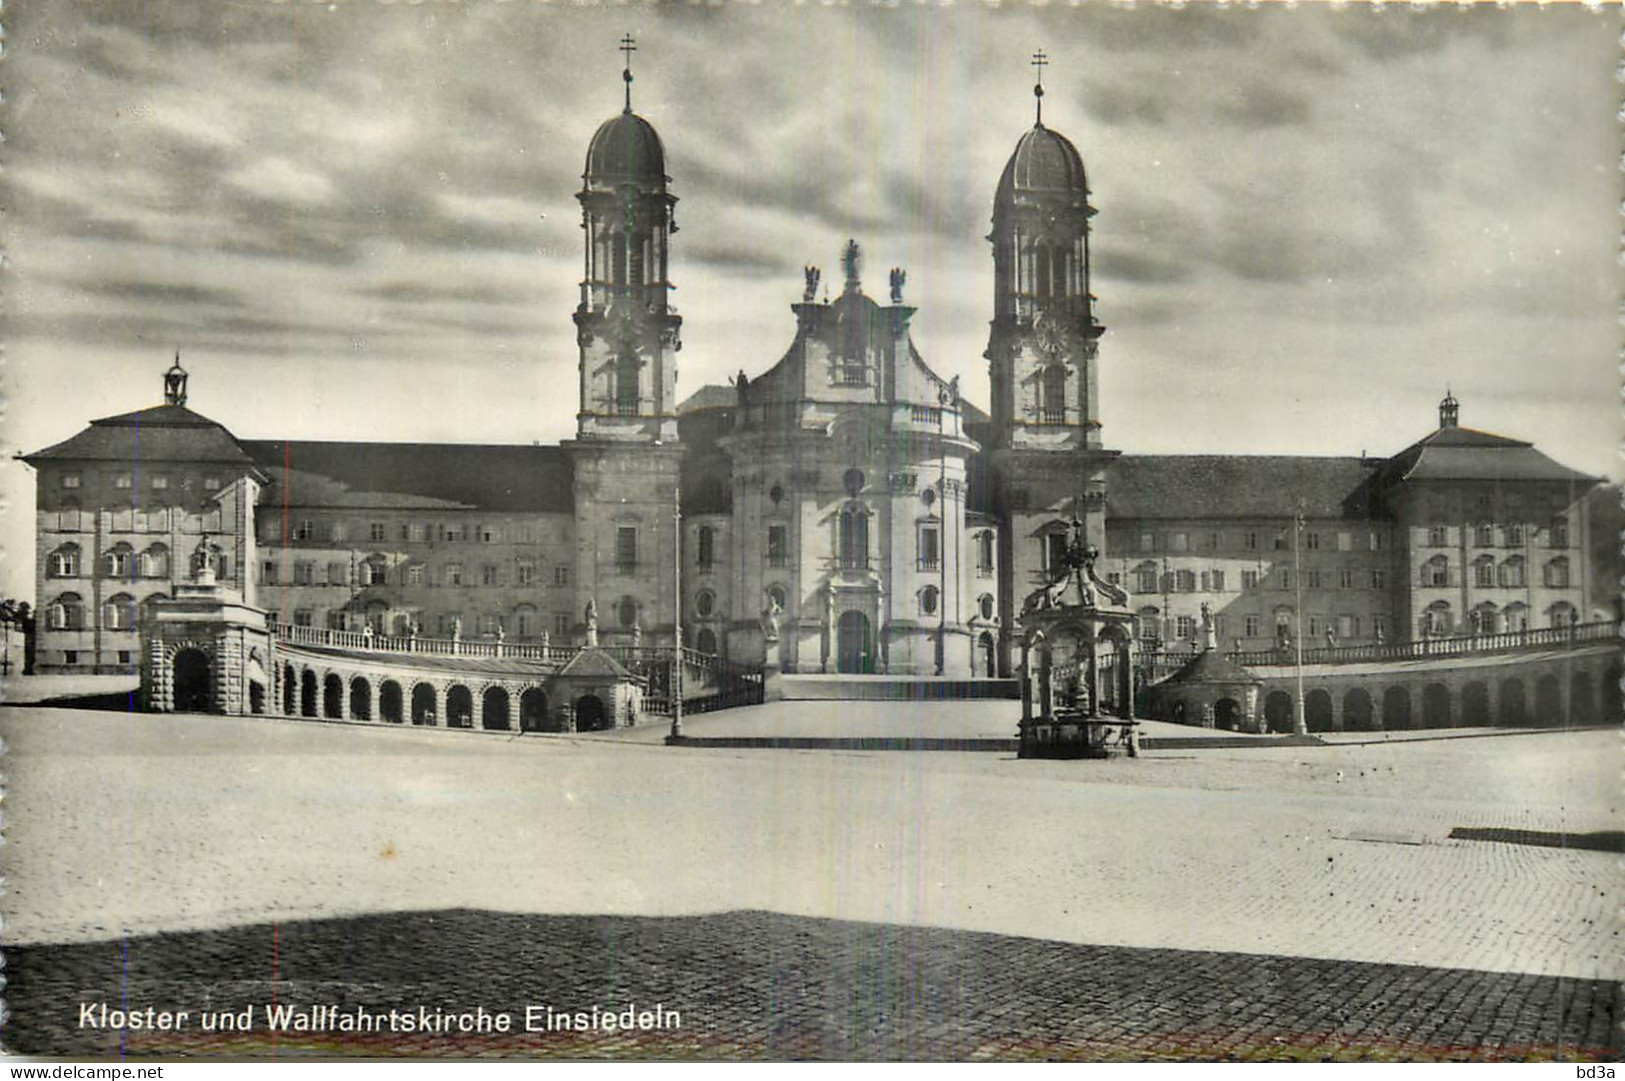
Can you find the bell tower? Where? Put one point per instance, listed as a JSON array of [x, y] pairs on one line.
[[1047, 461], [626, 327]]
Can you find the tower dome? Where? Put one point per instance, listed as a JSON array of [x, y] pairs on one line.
[[1045, 166], [625, 147]]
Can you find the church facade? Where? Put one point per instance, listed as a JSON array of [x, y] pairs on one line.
[[847, 497]]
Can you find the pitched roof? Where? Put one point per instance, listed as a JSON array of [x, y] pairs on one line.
[[164, 433], [710, 396], [1211, 666], [304, 489], [1455, 453], [535, 479], [1238, 486], [594, 662]]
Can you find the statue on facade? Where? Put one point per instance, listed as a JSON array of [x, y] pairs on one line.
[[770, 619], [456, 628], [899, 276], [810, 294], [741, 387], [591, 618], [502, 633]]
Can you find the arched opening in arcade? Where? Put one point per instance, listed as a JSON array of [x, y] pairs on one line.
[[332, 697], [389, 701], [494, 709], [1549, 702], [1475, 705], [423, 704], [290, 691], [533, 710], [1613, 698], [307, 694], [705, 640], [854, 646], [990, 655], [590, 714], [256, 697], [360, 699], [1278, 711], [1317, 711], [1514, 705], [1582, 706], [1436, 706], [459, 707], [1227, 714], [194, 681], [1358, 713], [1396, 708]]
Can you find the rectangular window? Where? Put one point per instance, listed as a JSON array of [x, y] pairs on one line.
[[335, 620], [160, 483], [415, 531], [778, 545], [269, 577], [626, 549], [453, 532], [1146, 580], [1211, 542], [211, 484], [1283, 578], [1217, 578], [304, 573], [1379, 579], [1185, 581], [1249, 579], [488, 575], [377, 531], [1514, 536], [1148, 542], [1249, 540], [1185, 627], [1311, 541], [301, 617], [70, 480], [305, 530], [1376, 541], [337, 532], [122, 481], [527, 573], [1379, 626], [1314, 627], [561, 623], [1347, 626], [1282, 542], [414, 574], [930, 557], [489, 534], [1345, 578], [1345, 542], [454, 574], [1311, 579], [124, 656], [1181, 542], [1249, 625], [561, 575], [1438, 536], [338, 574], [70, 656]]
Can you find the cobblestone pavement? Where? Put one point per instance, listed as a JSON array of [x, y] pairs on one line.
[[758, 985]]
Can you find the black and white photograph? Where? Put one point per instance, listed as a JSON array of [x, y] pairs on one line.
[[708, 531]]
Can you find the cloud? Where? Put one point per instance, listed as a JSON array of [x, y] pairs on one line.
[[1264, 105], [155, 292]]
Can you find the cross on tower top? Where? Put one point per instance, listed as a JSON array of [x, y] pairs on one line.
[[628, 46], [1039, 62]]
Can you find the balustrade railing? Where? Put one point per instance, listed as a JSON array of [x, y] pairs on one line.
[[324, 638]]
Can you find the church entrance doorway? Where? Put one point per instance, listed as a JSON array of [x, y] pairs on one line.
[[854, 649], [194, 690]]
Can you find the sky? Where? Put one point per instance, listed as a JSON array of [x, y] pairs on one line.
[[357, 220]]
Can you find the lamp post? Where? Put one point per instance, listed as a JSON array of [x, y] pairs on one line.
[[1300, 724], [677, 615]]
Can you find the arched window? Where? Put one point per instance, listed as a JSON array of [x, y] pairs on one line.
[[1484, 535], [1558, 537], [777, 595], [154, 562], [1052, 402], [118, 562], [1514, 533], [627, 612], [706, 641], [928, 600], [1515, 617], [118, 613], [1557, 574], [1436, 571], [706, 554], [1513, 573], [525, 622], [1438, 535], [854, 539], [1484, 619], [1436, 620], [705, 602], [65, 613], [1561, 614], [374, 570], [1484, 572], [64, 562], [984, 605]]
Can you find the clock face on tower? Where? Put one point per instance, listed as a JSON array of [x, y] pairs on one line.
[[1055, 338]]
